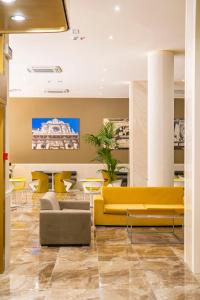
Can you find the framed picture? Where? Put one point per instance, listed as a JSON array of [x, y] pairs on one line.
[[121, 126], [55, 133], [179, 133]]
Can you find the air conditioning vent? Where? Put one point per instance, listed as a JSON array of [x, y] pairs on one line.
[[56, 91], [44, 69], [15, 90]]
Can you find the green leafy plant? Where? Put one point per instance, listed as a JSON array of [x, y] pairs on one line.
[[105, 143]]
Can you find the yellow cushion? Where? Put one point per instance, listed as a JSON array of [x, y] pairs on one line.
[[144, 195], [121, 209], [176, 207]]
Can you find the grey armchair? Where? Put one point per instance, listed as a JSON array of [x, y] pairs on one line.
[[64, 222]]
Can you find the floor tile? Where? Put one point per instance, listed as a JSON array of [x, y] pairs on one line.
[[73, 294], [111, 268]]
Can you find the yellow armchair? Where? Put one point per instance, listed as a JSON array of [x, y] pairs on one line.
[[106, 177], [43, 178], [58, 181]]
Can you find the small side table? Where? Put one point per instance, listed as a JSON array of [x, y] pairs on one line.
[[18, 184], [91, 186], [153, 214]]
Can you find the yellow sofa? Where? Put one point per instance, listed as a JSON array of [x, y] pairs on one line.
[[110, 208]]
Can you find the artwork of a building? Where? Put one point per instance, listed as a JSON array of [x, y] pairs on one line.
[[121, 126], [55, 134], [179, 133]]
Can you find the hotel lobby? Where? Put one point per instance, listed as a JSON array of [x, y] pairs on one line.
[[99, 149]]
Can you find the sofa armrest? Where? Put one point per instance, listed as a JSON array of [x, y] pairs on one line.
[[98, 201], [75, 204], [60, 227], [63, 214], [98, 208]]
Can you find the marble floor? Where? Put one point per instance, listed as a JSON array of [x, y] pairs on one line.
[[110, 269]]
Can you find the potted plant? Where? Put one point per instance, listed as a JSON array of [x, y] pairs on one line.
[[105, 143]]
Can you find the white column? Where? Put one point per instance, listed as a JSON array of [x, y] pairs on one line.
[[138, 133], [160, 118], [131, 142], [192, 143]]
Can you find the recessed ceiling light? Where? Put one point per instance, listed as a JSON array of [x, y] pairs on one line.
[[105, 69], [8, 1], [18, 18], [117, 8], [110, 37]]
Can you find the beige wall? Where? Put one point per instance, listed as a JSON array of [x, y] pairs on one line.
[[179, 114], [90, 111]]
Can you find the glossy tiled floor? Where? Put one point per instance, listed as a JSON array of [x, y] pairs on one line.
[[110, 269]]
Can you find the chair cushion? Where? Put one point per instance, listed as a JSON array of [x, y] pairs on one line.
[[121, 209], [49, 202], [162, 207]]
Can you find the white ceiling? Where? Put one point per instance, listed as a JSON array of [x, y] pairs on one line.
[[98, 66]]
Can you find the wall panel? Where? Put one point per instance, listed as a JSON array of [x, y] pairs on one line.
[[90, 111]]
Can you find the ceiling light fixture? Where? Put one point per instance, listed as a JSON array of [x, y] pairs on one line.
[[110, 37], [117, 8], [105, 69], [18, 18]]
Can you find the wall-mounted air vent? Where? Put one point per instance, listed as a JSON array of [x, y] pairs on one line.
[[56, 91], [44, 69], [15, 90]]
